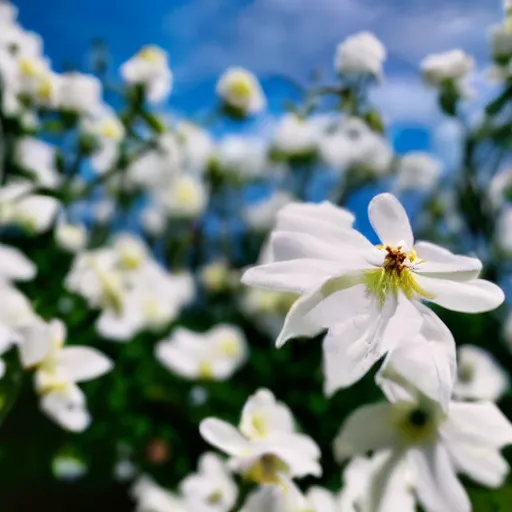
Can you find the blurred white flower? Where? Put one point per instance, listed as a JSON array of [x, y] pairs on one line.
[[503, 233], [354, 145], [158, 166], [501, 43], [149, 67], [261, 215], [150, 497], [185, 196], [153, 220], [71, 237], [106, 131], [79, 93], [449, 67], [418, 171], [242, 156], [215, 354], [435, 445], [239, 89], [39, 158], [212, 488], [58, 371], [217, 276], [500, 188], [360, 54], [265, 447], [294, 136], [479, 376], [104, 210], [196, 146]]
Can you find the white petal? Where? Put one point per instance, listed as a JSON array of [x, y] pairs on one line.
[[177, 360], [313, 312], [36, 342], [67, 409], [479, 423], [368, 428], [223, 436], [116, 327], [2, 368], [390, 221], [353, 347], [439, 260], [436, 482], [324, 212], [15, 265], [483, 464], [83, 363], [297, 276], [475, 296]]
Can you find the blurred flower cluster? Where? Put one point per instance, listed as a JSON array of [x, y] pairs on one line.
[[163, 262]]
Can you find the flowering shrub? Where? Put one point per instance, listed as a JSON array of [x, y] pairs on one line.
[[147, 301]]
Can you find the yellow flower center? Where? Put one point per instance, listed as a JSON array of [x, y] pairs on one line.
[[45, 90], [229, 346], [395, 275], [242, 87], [266, 470], [206, 370], [111, 129], [29, 68], [215, 498], [151, 54], [186, 193], [260, 424], [416, 424], [465, 372]]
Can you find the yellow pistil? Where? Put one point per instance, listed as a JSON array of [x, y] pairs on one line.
[[266, 470], [242, 87], [259, 423], [151, 54], [206, 370], [395, 275]]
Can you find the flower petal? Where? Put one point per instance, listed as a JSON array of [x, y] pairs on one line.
[[36, 341], [440, 261], [324, 212], [390, 221], [83, 363], [481, 463], [68, 409], [297, 276], [367, 428], [223, 436], [436, 482], [15, 265], [478, 423], [318, 309], [177, 359], [475, 296]]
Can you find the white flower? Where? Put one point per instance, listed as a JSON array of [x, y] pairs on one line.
[[215, 355], [197, 146], [448, 67], [500, 188], [501, 42], [157, 167], [295, 136], [107, 131], [150, 497], [240, 89], [360, 54], [149, 68], [58, 369], [434, 445], [261, 215], [355, 145], [153, 220], [242, 156], [360, 292], [503, 234], [418, 171], [79, 93], [185, 196], [212, 486], [361, 474], [479, 375], [39, 158], [71, 237], [265, 446], [149, 298]]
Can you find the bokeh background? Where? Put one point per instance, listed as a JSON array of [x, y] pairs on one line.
[[286, 43]]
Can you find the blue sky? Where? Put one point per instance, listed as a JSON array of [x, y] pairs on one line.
[[272, 38]]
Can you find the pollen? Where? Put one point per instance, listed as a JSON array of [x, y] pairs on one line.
[[415, 424], [395, 275], [267, 470]]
